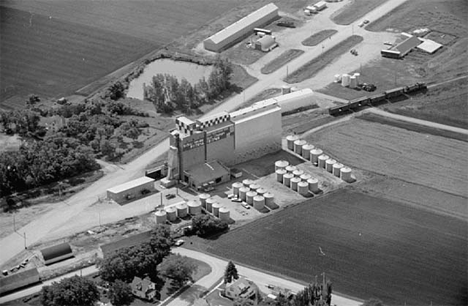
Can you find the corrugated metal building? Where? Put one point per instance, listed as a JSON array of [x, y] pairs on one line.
[[19, 280], [236, 31], [57, 253], [131, 190]]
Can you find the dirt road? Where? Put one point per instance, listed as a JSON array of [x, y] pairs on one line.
[[67, 210]]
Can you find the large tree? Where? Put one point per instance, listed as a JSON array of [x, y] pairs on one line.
[[179, 268], [139, 260], [120, 293], [73, 291], [230, 273], [205, 225]]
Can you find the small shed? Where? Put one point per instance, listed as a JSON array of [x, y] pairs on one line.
[[266, 43], [57, 253], [131, 190]]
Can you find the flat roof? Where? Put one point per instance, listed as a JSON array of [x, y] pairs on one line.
[[206, 172], [214, 116], [241, 24], [128, 185], [429, 45], [251, 113], [185, 120], [219, 126]]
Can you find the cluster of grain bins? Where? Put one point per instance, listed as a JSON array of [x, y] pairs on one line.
[[181, 210], [347, 80], [253, 194], [240, 29], [212, 206], [296, 179], [317, 157]]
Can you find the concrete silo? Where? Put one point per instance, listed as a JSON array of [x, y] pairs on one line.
[[290, 141], [243, 193], [281, 164], [322, 159], [303, 188], [171, 214], [287, 179], [258, 202], [279, 175], [313, 185], [216, 207], [194, 208], [160, 216], [314, 155], [337, 169], [306, 151], [209, 204], [329, 164], [298, 144], [203, 197], [249, 197], [181, 210], [294, 182], [235, 188], [224, 214]]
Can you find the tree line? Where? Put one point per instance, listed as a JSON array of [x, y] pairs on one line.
[[168, 94]]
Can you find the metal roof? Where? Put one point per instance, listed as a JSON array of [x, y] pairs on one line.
[[129, 185], [429, 46], [207, 172], [56, 251], [243, 23], [19, 280]]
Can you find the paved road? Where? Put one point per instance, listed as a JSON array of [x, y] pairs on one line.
[[65, 211], [261, 279]]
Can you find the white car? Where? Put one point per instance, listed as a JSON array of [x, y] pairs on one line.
[[179, 242]]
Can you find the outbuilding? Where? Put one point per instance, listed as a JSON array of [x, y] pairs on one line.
[[19, 280], [131, 190], [266, 43], [207, 174], [57, 253]]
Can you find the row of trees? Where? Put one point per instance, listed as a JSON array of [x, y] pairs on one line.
[[41, 162], [168, 94]]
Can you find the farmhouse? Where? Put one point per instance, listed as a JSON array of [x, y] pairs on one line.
[[131, 190], [143, 288], [241, 289], [236, 31], [57, 253]]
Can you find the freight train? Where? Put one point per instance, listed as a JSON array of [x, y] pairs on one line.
[[375, 99]]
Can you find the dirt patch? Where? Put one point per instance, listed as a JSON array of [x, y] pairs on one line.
[[305, 121], [313, 67], [354, 10], [375, 234], [281, 60], [427, 160], [318, 37]]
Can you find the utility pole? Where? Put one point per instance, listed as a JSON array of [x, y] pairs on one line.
[[24, 235], [287, 70], [14, 223]]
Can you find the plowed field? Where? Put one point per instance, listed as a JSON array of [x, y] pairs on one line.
[[428, 160], [373, 248]]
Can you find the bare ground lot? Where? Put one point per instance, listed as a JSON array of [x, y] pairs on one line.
[[355, 10], [374, 248], [422, 159]]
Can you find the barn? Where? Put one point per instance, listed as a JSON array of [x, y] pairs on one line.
[[238, 30], [57, 253], [131, 190]]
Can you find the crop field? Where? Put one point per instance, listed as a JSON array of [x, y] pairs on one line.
[[373, 248], [423, 159], [355, 10], [54, 48]]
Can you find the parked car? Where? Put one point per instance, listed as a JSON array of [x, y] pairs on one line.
[[179, 242], [236, 200], [170, 196]]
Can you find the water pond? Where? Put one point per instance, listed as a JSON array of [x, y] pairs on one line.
[[192, 72]]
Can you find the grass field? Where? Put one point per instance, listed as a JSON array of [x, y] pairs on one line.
[[54, 48], [355, 10], [281, 60], [311, 68], [423, 159], [374, 248], [318, 37]]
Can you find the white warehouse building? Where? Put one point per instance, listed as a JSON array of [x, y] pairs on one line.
[[294, 100], [230, 35]]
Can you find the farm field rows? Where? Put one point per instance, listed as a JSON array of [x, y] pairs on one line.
[[423, 159], [54, 48], [374, 248]]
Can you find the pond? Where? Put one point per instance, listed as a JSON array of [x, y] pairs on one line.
[[180, 69]]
